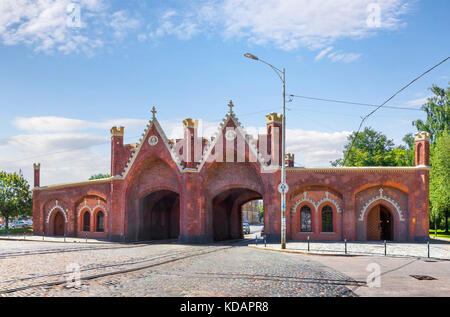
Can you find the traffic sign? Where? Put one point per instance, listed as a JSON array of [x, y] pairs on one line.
[[283, 188]]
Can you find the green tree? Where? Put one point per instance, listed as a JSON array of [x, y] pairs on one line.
[[261, 213], [371, 148], [438, 113], [440, 178], [15, 196], [99, 176]]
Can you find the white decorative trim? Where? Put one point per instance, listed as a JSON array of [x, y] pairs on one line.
[[57, 206], [385, 198], [134, 155], [102, 207], [316, 205], [85, 206], [250, 141], [153, 140]]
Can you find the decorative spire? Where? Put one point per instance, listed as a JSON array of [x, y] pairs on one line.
[[154, 112], [231, 105]]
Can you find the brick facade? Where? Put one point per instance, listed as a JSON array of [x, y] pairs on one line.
[[194, 189]]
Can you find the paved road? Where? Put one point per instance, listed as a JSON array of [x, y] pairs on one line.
[[172, 270], [395, 275]]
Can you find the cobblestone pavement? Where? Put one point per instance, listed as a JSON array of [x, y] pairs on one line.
[[218, 270], [438, 249]]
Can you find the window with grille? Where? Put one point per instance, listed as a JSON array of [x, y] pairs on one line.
[[100, 222], [327, 219], [305, 219], [87, 221]]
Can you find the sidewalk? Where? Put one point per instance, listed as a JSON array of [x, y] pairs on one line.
[[438, 249], [18, 237]]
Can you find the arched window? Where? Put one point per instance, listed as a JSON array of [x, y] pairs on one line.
[[100, 222], [305, 219], [327, 219], [87, 221]]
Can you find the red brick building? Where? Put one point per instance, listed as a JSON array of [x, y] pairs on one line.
[[193, 189]]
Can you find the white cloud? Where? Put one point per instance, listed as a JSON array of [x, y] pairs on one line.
[[286, 24], [122, 23], [65, 157], [314, 148], [45, 25], [314, 24], [418, 102], [323, 53], [173, 24], [343, 57], [60, 124]]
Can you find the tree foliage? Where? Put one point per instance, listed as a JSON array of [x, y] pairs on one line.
[[99, 176], [15, 196], [440, 176], [438, 113], [372, 148]]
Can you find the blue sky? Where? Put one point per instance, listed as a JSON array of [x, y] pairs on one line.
[[62, 87]]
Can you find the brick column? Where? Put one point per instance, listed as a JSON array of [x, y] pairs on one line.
[[37, 174]]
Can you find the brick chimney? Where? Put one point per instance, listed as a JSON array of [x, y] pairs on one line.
[[422, 153], [274, 123], [116, 150], [37, 174], [289, 161]]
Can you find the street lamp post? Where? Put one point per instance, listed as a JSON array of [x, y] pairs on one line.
[[283, 188]]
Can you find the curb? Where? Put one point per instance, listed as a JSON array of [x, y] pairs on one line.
[[346, 255], [50, 241], [302, 252]]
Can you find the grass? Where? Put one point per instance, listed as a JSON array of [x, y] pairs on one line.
[[440, 234], [15, 231]]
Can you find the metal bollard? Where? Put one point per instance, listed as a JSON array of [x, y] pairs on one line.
[[86, 237], [308, 244], [265, 242], [345, 242], [428, 245], [385, 247], [64, 237], [256, 239]]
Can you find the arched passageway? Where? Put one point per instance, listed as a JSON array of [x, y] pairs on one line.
[[227, 212], [380, 224], [160, 212]]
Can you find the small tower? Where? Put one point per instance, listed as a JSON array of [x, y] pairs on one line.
[[289, 161], [274, 123], [422, 152], [116, 149], [37, 174]]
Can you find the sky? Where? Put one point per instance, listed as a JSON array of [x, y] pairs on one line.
[[70, 70]]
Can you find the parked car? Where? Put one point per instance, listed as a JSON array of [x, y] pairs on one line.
[[246, 228], [19, 225]]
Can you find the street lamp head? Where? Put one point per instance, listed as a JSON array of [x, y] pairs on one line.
[[248, 55]]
